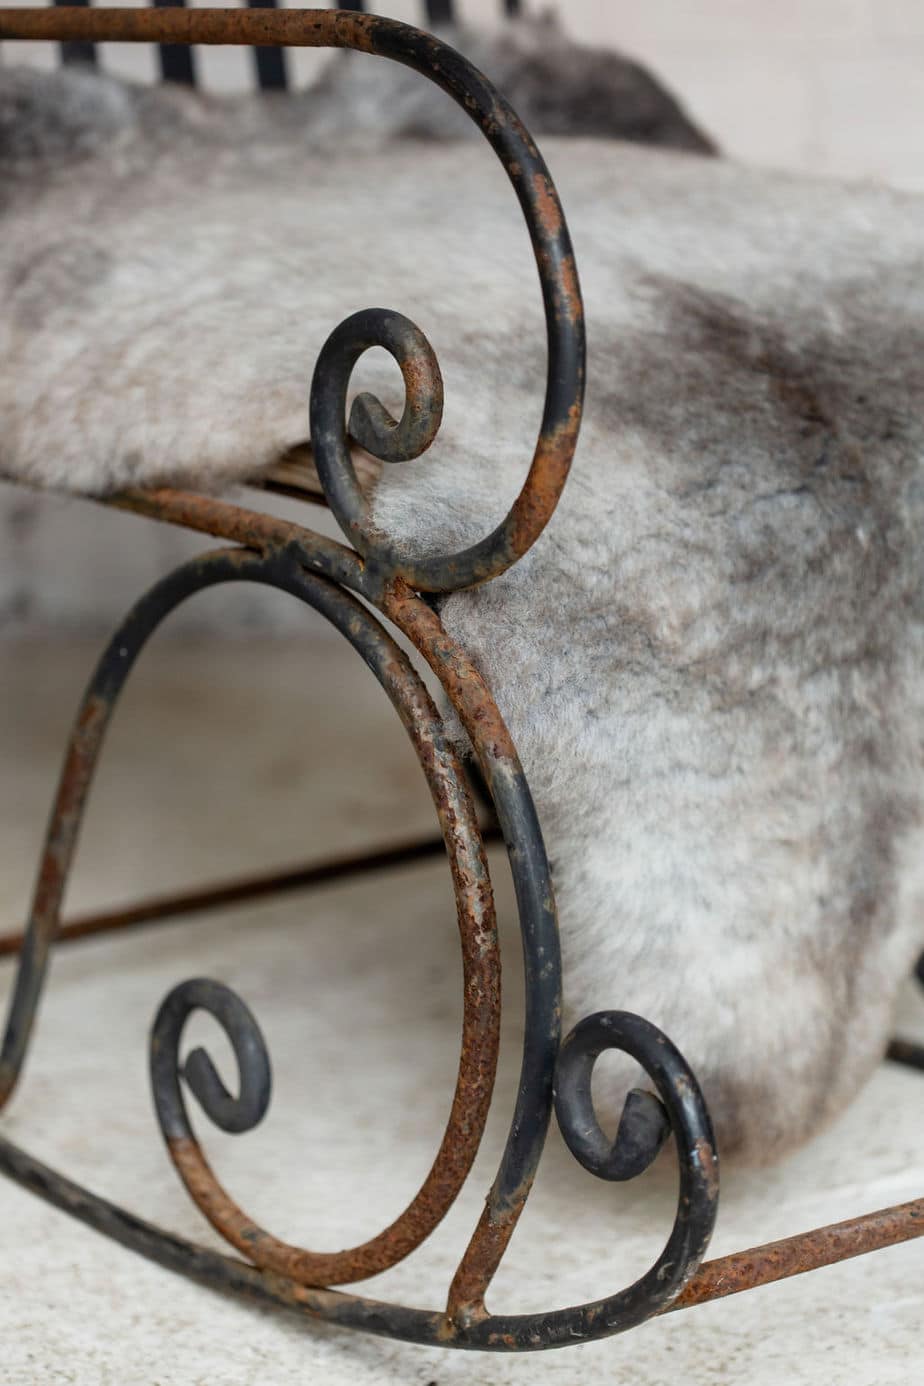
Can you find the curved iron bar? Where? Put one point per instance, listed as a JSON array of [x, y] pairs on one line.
[[467, 1322], [645, 1125], [728, 1275], [370, 423], [548, 231], [232, 1114], [384, 578], [497, 758], [481, 966], [506, 783]]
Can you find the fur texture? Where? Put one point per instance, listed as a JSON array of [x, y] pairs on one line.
[[711, 662]]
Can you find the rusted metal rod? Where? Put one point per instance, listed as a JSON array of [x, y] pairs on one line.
[[322, 573], [825, 1246], [252, 27], [228, 893]]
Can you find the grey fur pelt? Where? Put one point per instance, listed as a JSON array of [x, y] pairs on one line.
[[712, 660]]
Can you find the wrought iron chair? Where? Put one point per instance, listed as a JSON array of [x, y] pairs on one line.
[[555, 1074]]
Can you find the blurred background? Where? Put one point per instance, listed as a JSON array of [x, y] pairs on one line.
[[825, 86]]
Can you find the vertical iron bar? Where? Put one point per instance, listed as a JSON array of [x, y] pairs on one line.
[[77, 50], [176, 59], [439, 12], [270, 62]]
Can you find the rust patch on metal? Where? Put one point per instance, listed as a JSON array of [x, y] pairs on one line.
[[45, 913], [289, 28], [208, 515], [483, 1255], [252, 529], [570, 291], [709, 1167], [548, 208], [536, 503], [464, 685], [480, 1027]]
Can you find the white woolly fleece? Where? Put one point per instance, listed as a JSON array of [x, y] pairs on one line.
[[712, 661]]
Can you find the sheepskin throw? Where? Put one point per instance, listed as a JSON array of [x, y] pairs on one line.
[[713, 660]]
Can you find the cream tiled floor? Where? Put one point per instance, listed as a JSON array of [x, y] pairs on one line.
[[226, 758]]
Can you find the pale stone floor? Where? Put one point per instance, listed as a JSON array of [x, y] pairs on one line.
[[229, 758]]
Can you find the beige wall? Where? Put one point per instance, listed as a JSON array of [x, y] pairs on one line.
[[830, 86]]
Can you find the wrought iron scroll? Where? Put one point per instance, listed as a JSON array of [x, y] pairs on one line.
[[325, 575], [320, 572]]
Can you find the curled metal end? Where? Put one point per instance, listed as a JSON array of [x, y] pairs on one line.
[[646, 1120], [370, 423], [372, 426], [230, 1113], [643, 1129], [644, 1125]]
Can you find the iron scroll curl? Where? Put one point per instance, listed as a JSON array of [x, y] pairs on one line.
[[284, 556], [545, 222], [370, 424], [539, 202]]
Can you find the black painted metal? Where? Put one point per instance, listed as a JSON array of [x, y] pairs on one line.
[[234, 1114], [645, 1124], [177, 60], [295, 567], [76, 50], [564, 326], [439, 12], [529, 865], [270, 63]]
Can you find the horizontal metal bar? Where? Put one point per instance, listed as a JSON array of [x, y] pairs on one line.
[[716, 1279], [229, 893], [825, 1246], [246, 28]]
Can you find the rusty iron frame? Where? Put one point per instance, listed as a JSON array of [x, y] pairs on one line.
[[555, 1075]]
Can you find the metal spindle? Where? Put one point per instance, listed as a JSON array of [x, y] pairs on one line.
[[439, 12], [77, 50], [177, 62], [270, 63]]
